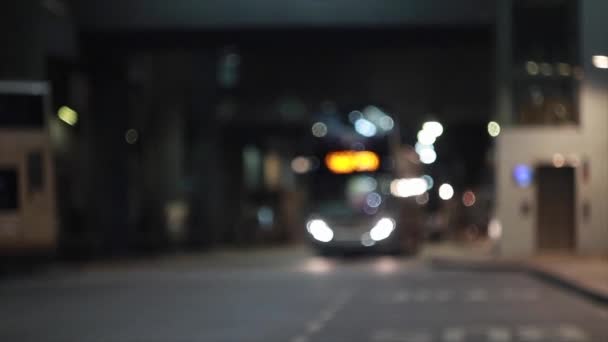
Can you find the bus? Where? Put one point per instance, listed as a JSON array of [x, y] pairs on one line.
[[28, 218], [352, 206]]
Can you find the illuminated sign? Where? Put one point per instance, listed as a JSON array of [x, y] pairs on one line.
[[343, 162], [523, 175]]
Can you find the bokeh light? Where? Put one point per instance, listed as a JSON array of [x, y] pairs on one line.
[[446, 192], [523, 175], [428, 156], [426, 137], [600, 62], [494, 229], [433, 127], [131, 136], [67, 115], [532, 68], [386, 123], [319, 129], [468, 198], [301, 165], [429, 181], [373, 200], [408, 187], [422, 199], [419, 147], [354, 116], [342, 162], [265, 216], [365, 127], [493, 129], [559, 160]]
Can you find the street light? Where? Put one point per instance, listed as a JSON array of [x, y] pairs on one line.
[[600, 61], [493, 129], [446, 191], [435, 128]]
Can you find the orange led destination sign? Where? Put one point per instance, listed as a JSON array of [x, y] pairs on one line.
[[343, 162]]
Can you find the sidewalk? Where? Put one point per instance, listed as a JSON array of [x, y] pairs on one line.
[[587, 275]]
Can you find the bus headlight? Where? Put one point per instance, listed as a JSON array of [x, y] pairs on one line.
[[319, 230], [382, 229]]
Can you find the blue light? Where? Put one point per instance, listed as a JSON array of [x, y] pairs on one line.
[[523, 175]]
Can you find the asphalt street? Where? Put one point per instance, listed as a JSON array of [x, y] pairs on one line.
[[291, 296]]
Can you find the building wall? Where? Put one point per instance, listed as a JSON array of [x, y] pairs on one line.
[[537, 145]]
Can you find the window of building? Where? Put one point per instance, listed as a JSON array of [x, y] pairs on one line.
[[8, 189], [546, 71]]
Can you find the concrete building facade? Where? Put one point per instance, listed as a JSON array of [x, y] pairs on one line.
[[533, 216]]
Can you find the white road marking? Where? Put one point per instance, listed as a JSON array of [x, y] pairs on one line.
[[421, 296], [300, 338], [383, 335], [391, 336], [402, 296], [530, 333], [314, 327], [510, 293], [529, 294], [496, 334], [477, 295], [326, 315], [453, 335], [473, 295], [443, 295], [571, 333]]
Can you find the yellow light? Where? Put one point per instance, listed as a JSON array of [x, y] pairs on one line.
[[366, 161], [339, 162], [67, 115], [493, 129], [342, 162]]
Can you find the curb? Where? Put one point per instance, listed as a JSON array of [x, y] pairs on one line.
[[568, 284], [523, 267]]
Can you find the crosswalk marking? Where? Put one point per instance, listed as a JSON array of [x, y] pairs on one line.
[[494, 333], [477, 295], [497, 334], [402, 296], [570, 333], [443, 296], [472, 295], [299, 339], [421, 296], [519, 294], [392, 336], [453, 335], [530, 334], [314, 327]]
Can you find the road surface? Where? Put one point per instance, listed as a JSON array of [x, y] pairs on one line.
[[290, 296]]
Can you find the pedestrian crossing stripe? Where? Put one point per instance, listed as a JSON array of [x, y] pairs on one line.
[[473, 295], [493, 333]]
